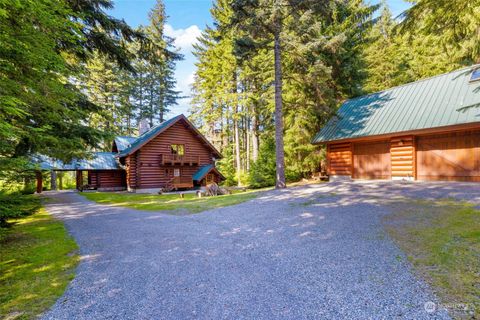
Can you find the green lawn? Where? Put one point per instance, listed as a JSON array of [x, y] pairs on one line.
[[37, 261], [191, 203], [442, 240]]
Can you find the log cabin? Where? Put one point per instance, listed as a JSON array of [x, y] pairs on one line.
[[172, 155], [426, 130]]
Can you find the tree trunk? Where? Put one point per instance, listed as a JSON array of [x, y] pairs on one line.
[[237, 146], [279, 152], [247, 144], [53, 180], [255, 140]]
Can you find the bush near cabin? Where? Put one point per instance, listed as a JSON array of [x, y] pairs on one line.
[[15, 206]]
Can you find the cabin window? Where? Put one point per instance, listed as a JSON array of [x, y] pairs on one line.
[[178, 149], [176, 172], [210, 178], [475, 75]]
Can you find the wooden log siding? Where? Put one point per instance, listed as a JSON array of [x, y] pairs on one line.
[[449, 157], [131, 168], [402, 155], [150, 174], [340, 159], [108, 179], [371, 160]]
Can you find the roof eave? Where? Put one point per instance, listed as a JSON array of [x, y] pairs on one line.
[[456, 127]]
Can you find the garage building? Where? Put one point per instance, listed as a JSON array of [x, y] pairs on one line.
[[425, 130]]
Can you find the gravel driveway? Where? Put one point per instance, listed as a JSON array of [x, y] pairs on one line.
[[301, 253]]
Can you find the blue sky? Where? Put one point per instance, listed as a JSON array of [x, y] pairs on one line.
[[187, 18]]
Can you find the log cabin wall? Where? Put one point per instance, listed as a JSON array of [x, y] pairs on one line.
[[107, 179], [131, 169], [453, 156], [371, 160], [145, 170], [339, 158], [402, 155]]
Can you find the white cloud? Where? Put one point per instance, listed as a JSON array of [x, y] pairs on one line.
[[185, 70], [184, 38], [185, 82]]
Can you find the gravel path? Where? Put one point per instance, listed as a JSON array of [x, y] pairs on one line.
[[301, 253]]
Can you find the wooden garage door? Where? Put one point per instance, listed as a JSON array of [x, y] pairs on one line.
[[454, 156], [371, 160]]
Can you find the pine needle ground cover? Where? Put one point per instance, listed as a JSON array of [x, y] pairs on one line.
[[442, 240], [169, 202], [37, 261]]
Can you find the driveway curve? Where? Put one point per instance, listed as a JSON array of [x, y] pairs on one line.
[[313, 252]]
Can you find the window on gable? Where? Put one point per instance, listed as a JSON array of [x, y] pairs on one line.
[[178, 149], [475, 75]]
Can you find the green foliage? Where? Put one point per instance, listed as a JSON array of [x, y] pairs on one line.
[[322, 62], [227, 167], [37, 261], [44, 46], [454, 24], [441, 239], [262, 173], [15, 206], [395, 58], [127, 97]]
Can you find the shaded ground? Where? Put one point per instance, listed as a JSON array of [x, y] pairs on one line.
[[306, 252], [190, 203], [37, 261]]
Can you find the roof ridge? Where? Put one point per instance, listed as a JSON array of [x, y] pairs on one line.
[[413, 82], [158, 125]]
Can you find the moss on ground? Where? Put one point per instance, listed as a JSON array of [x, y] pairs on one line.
[[37, 261], [442, 240]]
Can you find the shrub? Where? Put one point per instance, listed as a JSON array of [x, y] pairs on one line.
[[227, 168], [16, 205], [262, 172]]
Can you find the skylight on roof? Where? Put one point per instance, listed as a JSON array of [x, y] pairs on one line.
[[475, 75]]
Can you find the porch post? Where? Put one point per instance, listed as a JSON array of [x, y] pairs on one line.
[[38, 175], [53, 180], [79, 179]]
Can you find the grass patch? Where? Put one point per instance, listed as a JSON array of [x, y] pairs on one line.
[[37, 261], [190, 203], [442, 240]]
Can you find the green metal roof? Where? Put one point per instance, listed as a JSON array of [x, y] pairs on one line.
[[202, 172], [98, 161], [123, 142], [444, 100]]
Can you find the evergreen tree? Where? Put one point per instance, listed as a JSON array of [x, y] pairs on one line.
[[395, 57], [453, 22], [154, 83], [40, 110]]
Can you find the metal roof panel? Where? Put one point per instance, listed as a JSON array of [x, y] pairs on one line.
[[428, 103]]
